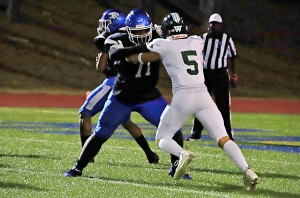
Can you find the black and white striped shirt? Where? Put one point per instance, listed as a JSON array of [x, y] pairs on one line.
[[216, 51]]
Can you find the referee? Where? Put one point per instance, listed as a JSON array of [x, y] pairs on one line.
[[218, 53]]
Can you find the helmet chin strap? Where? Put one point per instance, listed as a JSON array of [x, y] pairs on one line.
[[177, 36]]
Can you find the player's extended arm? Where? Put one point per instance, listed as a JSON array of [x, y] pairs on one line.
[[231, 64], [121, 53], [144, 57]]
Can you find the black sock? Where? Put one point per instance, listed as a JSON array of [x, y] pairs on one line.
[[89, 151], [141, 140], [174, 160], [197, 127], [83, 139]]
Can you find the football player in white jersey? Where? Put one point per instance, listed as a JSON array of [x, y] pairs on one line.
[[182, 57]]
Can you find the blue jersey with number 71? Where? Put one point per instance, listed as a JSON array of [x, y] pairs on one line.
[[135, 83]]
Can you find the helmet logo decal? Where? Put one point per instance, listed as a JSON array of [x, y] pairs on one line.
[[114, 15], [175, 17], [178, 28]]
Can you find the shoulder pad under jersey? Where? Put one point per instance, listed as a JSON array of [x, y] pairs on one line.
[[112, 39]]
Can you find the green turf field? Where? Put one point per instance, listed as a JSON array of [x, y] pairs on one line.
[[39, 145]]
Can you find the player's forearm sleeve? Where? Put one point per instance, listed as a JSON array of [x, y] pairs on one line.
[[99, 42], [121, 53]]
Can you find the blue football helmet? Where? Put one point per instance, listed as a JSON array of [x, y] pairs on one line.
[[111, 21], [139, 26]]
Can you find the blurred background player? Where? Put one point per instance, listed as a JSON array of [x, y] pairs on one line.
[[182, 57], [134, 89], [112, 21], [219, 55]]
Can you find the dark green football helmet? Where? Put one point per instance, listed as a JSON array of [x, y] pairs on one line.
[[172, 25]]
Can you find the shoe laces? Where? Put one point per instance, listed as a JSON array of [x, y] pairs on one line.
[[176, 163]]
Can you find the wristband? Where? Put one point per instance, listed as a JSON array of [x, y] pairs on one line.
[[140, 58]]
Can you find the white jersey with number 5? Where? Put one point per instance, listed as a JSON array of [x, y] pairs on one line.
[[183, 61]]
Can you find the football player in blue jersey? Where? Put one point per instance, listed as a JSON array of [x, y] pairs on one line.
[[134, 89], [112, 21]]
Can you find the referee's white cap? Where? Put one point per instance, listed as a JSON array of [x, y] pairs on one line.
[[215, 18]]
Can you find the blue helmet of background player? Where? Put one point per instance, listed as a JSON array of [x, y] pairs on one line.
[[139, 26], [173, 26], [111, 21]]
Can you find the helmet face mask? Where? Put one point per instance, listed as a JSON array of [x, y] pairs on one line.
[[139, 26], [173, 26], [111, 21], [103, 26], [139, 36]]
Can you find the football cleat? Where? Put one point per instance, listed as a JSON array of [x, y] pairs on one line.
[[194, 137], [73, 173], [250, 179], [185, 176], [185, 159], [152, 158]]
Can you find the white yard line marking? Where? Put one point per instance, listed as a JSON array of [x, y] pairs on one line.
[[128, 148], [169, 188]]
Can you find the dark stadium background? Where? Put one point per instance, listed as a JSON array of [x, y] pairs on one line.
[[48, 46]]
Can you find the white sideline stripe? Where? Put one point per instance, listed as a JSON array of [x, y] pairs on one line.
[[178, 189], [121, 147]]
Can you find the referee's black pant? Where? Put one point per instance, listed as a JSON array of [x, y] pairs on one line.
[[217, 82]]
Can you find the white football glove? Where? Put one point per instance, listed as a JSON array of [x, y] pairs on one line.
[[97, 60], [158, 30], [118, 45], [98, 57]]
